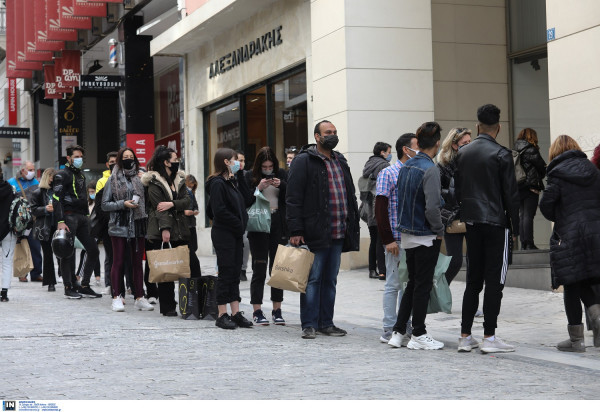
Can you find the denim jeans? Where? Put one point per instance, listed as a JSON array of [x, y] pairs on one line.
[[392, 293], [316, 305]]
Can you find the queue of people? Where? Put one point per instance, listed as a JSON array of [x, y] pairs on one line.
[[456, 189]]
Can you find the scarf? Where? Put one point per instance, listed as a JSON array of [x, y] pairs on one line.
[[118, 183]]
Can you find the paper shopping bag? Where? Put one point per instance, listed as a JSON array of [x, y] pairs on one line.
[[168, 265], [291, 268], [440, 298], [22, 262]]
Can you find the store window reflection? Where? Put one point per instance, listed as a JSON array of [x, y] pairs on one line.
[[289, 102], [224, 129]]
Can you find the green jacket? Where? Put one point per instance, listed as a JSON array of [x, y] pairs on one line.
[[173, 219]]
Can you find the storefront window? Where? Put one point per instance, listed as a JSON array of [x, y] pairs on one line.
[[256, 123], [224, 129]]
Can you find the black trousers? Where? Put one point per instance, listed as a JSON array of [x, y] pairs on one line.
[[79, 225], [49, 274], [193, 246], [420, 262], [82, 258], [166, 290], [263, 247], [487, 249], [454, 248], [527, 209], [229, 249], [376, 251], [576, 293]]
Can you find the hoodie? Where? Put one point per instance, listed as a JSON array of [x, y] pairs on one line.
[[226, 205]]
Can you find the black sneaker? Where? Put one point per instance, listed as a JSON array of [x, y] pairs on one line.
[[88, 292], [224, 322], [259, 318], [243, 277], [309, 333], [332, 331], [277, 318], [71, 294], [241, 321], [51, 288]]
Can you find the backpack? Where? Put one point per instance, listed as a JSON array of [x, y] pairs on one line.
[[367, 188], [520, 172], [19, 215]]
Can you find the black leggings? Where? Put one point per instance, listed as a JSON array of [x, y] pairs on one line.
[[376, 251], [576, 293], [454, 248]]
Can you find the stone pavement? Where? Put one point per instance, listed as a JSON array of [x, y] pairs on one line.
[[55, 348]]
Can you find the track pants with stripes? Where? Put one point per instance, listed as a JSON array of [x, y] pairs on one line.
[[487, 250]]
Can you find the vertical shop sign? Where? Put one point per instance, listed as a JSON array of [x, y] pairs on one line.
[[41, 29], [69, 122], [13, 103], [169, 103], [142, 145], [50, 83], [70, 68]]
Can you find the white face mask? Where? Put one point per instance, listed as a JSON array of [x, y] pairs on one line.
[[412, 150], [30, 175]]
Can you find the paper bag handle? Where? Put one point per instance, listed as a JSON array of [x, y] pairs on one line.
[[163, 243]]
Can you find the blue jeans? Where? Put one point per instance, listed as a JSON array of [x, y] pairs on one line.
[[316, 305], [392, 293]]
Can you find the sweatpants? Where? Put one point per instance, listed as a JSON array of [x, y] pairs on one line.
[[487, 251]]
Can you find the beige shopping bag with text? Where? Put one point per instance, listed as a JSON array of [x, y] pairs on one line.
[[168, 265], [291, 268], [22, 262]]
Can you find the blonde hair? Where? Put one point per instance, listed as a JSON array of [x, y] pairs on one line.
[[562, 144], [447, 152], [528, 135], [48, 174]]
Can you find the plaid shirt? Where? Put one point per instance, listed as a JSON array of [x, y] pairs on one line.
[[338, 207], [387, 185]]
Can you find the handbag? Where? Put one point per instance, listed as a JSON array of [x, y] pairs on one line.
[[208, 297], [456, 227], [189, 298], [440, 298], [22, 261], [291, 268], [168, 265], [259, 214]]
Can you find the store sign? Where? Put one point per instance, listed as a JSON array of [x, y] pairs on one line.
[[169, 103], [14, 133], [50, 87], [68, 115], [142, 145], [100, 83], [241, 55], [172, 142], [13, 102]]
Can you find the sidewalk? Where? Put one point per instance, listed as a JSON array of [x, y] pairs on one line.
[[55, 348]]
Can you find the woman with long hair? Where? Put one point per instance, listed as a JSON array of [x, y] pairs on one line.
[[456, 138], [529, 191], [572, 201], [167, 200], [44, 225], [124, 198], [271, 181], [190, 214], [227, 210]]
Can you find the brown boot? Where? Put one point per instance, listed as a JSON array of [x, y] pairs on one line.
[[594, 312], [575, 342]]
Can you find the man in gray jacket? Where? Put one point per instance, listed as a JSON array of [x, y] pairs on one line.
[[420, 221]]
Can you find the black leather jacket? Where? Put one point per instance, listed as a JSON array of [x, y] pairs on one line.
[[486, 187], [534, 165]]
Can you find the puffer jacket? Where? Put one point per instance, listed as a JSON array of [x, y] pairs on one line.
[[44, 226], [533, 164], [572, 201], [172, 219]]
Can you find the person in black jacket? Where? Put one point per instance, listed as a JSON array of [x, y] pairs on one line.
[[44, 225], [322, 213], [572, 202], [227, 209], [8, 239], [71, 213], [529, 190], [270, 180], [486, 189]]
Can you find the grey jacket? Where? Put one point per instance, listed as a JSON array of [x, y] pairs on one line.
[[120, 223]]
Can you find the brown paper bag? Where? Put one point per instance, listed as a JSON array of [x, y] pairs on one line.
[[291, 268], [168, 265], [22, 262]]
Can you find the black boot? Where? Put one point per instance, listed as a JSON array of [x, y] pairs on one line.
[[373, 274], [4, 295]]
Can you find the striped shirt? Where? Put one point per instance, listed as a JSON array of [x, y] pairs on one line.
[[338, 206], [387, 185]]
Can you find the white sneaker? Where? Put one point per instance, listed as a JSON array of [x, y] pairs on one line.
[[117, 305], [152, 301], [106, 291], [425, 342], [467, 344], [398, 340], [142, 304], [497, 345], [97, 282]]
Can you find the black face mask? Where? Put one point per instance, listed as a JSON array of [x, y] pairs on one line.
[[111, 167], [128, 163], [174, 167], [330, 141]]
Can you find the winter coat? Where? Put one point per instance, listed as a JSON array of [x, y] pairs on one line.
[[374, 165], [173, 219], [226, 205], [70, 193], [308, 201], [6, 198], [120, 221], [191, 220], [44, 226], [572, 201], [486, 186], [533, 164]]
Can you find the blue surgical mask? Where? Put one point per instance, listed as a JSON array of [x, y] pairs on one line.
[[78, 162], [235, 167], [93, 196], [389, 158]]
